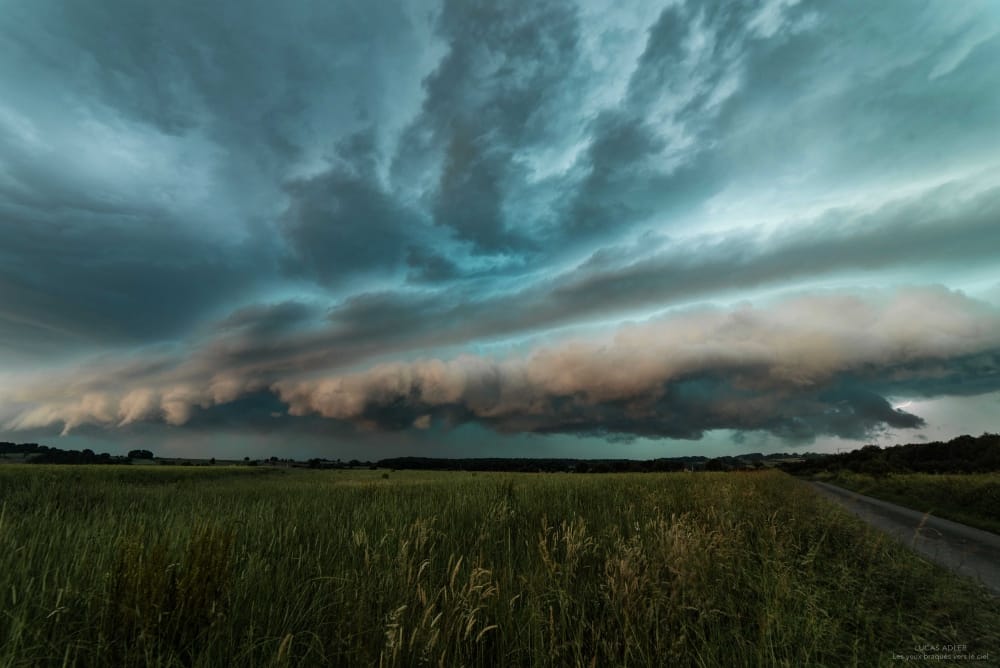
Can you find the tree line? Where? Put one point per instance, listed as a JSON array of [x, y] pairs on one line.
[[964, 454], [34, 453]]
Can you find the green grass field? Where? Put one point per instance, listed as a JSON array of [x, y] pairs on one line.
[[972, 499], [171, 566]]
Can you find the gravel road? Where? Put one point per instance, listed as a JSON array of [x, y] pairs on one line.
[[961, 548]]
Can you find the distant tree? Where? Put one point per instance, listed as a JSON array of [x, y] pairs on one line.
[[716, 464], [140, 454], [877, 467]]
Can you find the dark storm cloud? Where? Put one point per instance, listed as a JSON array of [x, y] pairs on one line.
[[797, 369], [66, 285], [219, 202], [266, 321], [304, 104], [341, 224], [814, 364], [258, 346], [493, 96], [916, 234], [968, 375], [926, 232], [654, 152], [246, 70], [613, 188], [154, 160], [734, 100], [426, 266]]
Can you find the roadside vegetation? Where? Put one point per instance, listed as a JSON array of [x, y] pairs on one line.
[[972, 499], [255, 566]]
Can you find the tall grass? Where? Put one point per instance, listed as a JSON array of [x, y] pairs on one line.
[[227, 567], [970, 498]]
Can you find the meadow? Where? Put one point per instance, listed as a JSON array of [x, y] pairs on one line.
[[969, 498], [241, 566]]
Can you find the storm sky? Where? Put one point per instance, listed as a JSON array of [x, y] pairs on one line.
[[622, 228]]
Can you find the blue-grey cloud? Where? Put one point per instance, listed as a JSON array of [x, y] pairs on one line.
[[804, 366], [202, 205], [341, 223]]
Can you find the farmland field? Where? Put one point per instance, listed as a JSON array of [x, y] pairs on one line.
[[969, 498], [240, 566]]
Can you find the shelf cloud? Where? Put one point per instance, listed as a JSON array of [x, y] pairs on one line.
[[808, 365], [610, 220]]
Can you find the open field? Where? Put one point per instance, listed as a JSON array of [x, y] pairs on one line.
[[259, 567], [969, 498]]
